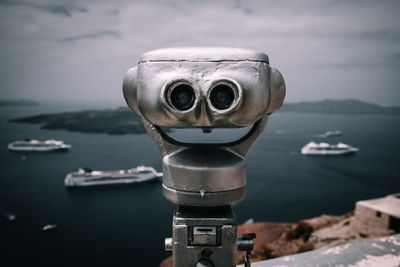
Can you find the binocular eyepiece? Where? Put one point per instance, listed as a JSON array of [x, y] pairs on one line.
[[181, 96]]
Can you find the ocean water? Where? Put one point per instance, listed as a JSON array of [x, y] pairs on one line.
[[126, 226]]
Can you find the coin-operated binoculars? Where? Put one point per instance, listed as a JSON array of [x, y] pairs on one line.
[[204, 88]]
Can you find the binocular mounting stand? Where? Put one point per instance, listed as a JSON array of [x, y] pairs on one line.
[[206, 237], [204, 180]]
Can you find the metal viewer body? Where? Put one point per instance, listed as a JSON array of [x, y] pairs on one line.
[[204, 88]]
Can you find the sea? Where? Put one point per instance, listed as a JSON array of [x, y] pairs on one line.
[[126, 226]]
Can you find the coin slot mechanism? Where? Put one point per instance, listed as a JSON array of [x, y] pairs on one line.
[[204, 236]]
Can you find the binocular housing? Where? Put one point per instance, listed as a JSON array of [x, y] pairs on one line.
[[204, 88]]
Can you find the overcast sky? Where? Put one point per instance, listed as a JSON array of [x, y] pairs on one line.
[[79, 50]]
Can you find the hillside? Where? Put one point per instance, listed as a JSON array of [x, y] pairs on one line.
[[117, 121], [21, 102], [348, 106]]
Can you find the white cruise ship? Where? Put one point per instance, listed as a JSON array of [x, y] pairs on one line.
[[313, 148], [36, 145], [88, 177]]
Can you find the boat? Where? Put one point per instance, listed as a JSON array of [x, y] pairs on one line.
[[36, 145], [87, 177], [329, 134], [49, 227], [333, 134], [313, 148]]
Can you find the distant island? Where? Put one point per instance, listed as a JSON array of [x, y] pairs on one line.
[[20, 102], [348, 106], [123, 121], [110, 121]]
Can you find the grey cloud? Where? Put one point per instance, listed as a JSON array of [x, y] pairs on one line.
[[93, 35], [59, 9], [345, 65], [319, 46], [394, 59], [243, 7], [391, 36], [371, 62]]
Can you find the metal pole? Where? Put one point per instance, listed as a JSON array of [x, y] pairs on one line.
[[204, 236]]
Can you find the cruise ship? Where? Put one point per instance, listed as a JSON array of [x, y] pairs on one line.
[[36, 145], [88, 177], [313, 148]]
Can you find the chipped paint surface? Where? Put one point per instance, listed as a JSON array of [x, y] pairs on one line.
[[377, 246], [393, 239], [384, 260], [335, 250], [381, 252]]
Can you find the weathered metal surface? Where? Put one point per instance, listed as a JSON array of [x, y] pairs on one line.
[[381, 252], [204, 198], [204, 88], [259, 88], [203, 54], [204, 175], [217, 247]]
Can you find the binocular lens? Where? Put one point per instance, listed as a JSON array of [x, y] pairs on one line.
[[222, 96], [182, 97]]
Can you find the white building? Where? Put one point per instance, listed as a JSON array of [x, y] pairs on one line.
[[380, 213]]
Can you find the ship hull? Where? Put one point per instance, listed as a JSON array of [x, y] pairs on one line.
[[103, 178]]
